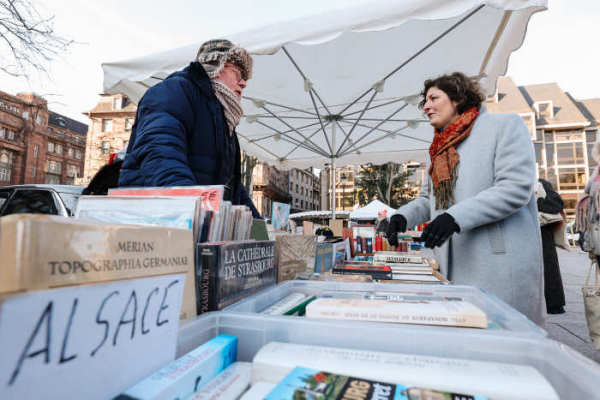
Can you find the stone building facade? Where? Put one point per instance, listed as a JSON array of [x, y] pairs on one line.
[[304, 188], [345, 191], [109, 131], [269, 184], [36, 144]]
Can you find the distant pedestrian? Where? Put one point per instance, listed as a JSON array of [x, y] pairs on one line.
[[382, 222], [550, 207], [479, 196]]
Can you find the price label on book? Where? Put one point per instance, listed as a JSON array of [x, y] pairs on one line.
[[87, 342]]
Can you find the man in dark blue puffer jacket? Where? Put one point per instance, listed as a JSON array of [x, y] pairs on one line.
[[184, 131]]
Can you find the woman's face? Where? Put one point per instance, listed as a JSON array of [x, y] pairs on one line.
[[439, 108]]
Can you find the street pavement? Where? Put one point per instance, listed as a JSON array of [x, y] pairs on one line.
[[571, 328]]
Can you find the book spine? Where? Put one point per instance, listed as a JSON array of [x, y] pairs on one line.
[[187, 374], [378, 243], [285, 304], [364, 245], [358, 244], [208, 255], [369, 245]]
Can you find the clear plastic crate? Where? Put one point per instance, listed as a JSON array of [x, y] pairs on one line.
[[572, 375], [503, 318]]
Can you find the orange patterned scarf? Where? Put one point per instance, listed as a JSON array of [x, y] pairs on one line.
[[444, 157]]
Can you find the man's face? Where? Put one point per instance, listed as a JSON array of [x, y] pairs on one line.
[[231, 76]]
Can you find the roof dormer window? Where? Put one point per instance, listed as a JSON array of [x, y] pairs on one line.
[[544, 109]]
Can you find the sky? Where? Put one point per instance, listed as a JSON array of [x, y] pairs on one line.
[[560, 45]]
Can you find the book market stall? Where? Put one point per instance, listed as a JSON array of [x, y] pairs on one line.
[[176, 293]]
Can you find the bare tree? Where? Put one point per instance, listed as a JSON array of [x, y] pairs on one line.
[[27, 39]]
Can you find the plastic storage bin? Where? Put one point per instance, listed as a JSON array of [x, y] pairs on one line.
[[572, 375], [504, 319]]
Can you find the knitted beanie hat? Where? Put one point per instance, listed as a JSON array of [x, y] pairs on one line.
[[215, 53]]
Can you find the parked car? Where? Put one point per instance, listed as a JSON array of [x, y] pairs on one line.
[[39, 199]]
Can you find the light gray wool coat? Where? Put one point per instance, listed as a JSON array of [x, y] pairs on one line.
[[499, 246]]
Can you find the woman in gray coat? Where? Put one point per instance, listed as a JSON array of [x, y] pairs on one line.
[[479, 197]]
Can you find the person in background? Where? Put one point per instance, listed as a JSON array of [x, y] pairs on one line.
[[184, 130], [479, 196], [382, 222], [549, 202]]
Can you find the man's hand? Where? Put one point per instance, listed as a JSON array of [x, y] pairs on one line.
[[439, 230], [397, 224]]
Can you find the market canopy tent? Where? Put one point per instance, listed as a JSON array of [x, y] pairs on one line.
[[371, 210], [343, 86]]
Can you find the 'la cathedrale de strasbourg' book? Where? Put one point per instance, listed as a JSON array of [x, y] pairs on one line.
[[226, 272]]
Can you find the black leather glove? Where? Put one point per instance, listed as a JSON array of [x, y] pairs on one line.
[[439, 230], [397, 224]]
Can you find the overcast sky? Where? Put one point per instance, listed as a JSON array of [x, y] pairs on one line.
[[560, 45]]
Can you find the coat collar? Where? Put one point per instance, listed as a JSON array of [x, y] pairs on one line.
[[200, 78]]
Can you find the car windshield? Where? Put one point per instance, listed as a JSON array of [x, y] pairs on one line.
[[4, 195], [70, 200]]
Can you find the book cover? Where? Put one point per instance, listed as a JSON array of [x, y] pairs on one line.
[[230, 271], [496, 380], [47, 251], [308, 383], [280, 215], [324, 257], [229, 384], [171, 212], [212, 195], [397, 257], [187, 374], [258, 230], [423, 312]]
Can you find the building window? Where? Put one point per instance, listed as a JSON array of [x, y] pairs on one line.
[[544, 109], [2, 133], [11, 135], [54, 167], [117, 103], [51, 147], [70, 152], [128, 124], [105, 147], [107, 125], [5, 166], [58, 149], [72, 171], [33, 171], [38, 119], [78, 154], [36, 149]]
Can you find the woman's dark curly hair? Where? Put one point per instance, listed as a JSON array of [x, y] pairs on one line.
[[465, 91]]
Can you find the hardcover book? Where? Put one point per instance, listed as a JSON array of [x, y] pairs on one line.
[[375, 271], [47, 251], [229, 384], [226, 272], [495, 380], [397, 257], [423, 312], [308, 383], [212, 195], [324, 257]]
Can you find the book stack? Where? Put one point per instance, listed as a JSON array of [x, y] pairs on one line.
[[214, 219], [281, 371]]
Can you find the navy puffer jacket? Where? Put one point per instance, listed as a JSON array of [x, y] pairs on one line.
[[179, 139]]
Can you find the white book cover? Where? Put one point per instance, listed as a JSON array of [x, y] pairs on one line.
[[258, 391], [173, 212], [229, 384], [414, 277], [424, 312], [495, 380]]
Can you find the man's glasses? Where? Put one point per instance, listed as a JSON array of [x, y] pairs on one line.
[[236, 71]]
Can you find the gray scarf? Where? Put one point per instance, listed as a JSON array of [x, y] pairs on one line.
[[232, 105]]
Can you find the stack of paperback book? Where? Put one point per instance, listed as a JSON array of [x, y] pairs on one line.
[[198, 208], [281, 371]]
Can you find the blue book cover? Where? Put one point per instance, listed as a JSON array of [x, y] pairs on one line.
[[307, 383], [324, 257], [280, 215], [187, 374]]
